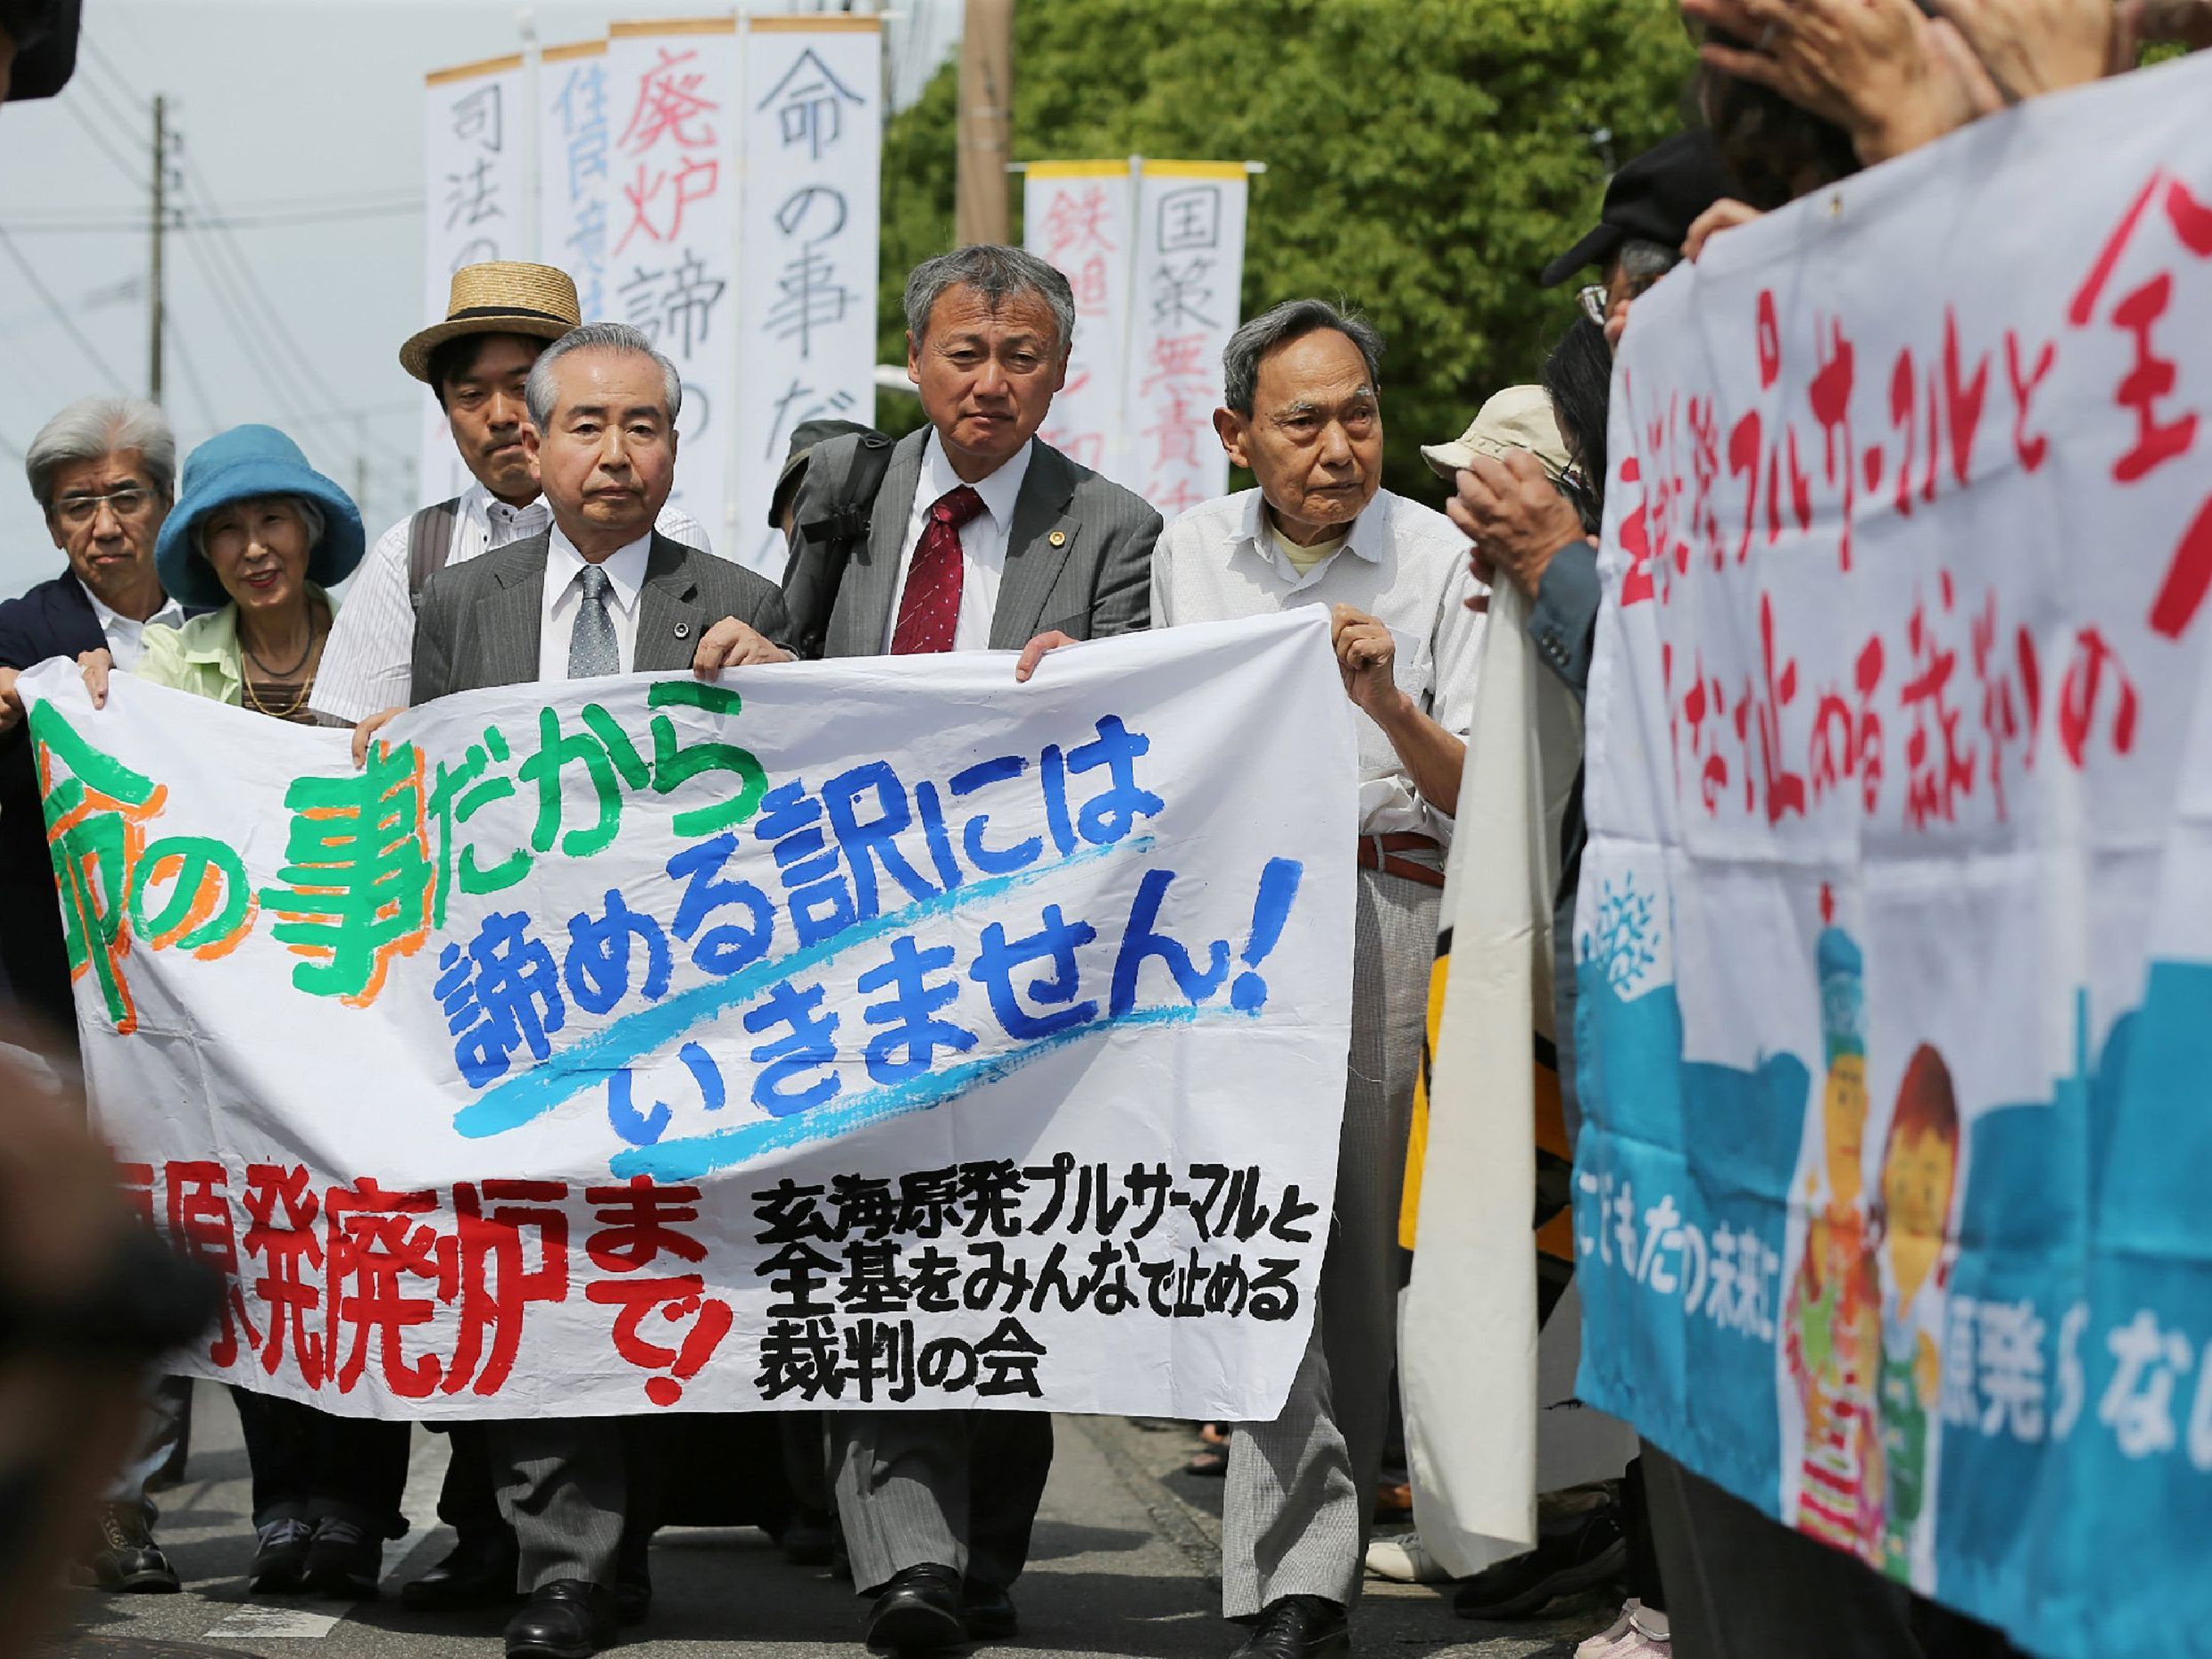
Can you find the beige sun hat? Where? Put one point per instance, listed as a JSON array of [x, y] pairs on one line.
[[498, 297], [1519, 417]]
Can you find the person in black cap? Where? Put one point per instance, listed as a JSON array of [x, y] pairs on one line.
[[38, 47], [1648, 210]]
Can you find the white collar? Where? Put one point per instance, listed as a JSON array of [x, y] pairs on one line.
[[1363, 540], [480, 502], [170, 611], [999, 491], [625, 568]]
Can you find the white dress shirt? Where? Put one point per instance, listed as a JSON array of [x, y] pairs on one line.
[[982, 540], [368, 660], [126, 635], [1402, 564], [565, 597]]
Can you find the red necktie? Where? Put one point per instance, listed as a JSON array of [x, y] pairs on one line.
[[929, 610]]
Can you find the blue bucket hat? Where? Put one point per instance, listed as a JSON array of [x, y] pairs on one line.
[[239, 465]]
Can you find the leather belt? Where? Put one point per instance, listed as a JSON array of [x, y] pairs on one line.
[[1380, 852]]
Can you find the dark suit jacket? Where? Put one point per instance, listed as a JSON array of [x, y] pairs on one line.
[[478, 623], [1095, 581], [52, 620]]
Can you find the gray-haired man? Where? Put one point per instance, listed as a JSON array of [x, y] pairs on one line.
[[982, 537], [1303, 386]]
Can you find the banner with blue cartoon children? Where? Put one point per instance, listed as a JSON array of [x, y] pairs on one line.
[[872, 1033]]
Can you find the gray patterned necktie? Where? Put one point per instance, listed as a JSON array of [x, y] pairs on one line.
[[592, 650]]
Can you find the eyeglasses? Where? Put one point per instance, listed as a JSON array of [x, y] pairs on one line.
[[128, 502], [1593, 300]]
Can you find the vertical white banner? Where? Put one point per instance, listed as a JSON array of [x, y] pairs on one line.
[[673, 92], [476, 138], [576, 141], [813, 144], [1078, 216], [1190, 271]]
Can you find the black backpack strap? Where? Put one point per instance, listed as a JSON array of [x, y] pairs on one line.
[[825, 544], [430, 543]]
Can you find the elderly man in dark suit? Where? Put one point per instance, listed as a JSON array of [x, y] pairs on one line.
[[601, 592], [981, 537]]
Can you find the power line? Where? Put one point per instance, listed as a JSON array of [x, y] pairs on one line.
[[123, 82], [192, 380], [68, 324], [184, 219], [241, 331], [103, 143]]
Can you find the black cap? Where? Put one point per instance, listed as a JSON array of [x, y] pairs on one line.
[[805, 437], [1655, 197], [45, 33]]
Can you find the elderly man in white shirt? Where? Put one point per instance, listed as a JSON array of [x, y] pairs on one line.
[[1305, 413], [501, 315]]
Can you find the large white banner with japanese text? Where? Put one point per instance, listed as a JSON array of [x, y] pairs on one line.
[[476, 155], [1078, 216], [850, 1034], [807, 320], [1895, 938], [671, 263], [575, 154], [1190, 275]]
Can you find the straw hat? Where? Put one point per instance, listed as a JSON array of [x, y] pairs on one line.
[[1519, 417], [499, 297]]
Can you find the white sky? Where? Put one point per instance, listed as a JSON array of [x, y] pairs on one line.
[[286, 107]]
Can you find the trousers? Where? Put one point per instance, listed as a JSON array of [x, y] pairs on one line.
[[951, 1488], [311, 1466], [1299, 1494]]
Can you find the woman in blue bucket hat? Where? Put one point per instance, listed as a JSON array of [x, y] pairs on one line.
[[261, 534]]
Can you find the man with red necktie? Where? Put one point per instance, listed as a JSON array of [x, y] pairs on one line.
[[981, 537]]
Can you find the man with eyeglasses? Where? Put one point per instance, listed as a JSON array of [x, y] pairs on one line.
[[103, 472], [1649, 207]]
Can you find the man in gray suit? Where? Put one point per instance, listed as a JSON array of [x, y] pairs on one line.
[[981, 537], [601, 592]]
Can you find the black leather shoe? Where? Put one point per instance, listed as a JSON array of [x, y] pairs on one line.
[[633, 1586], [280, 1554], [808, 1543], [126, 1557], [988, 1611], [1586, 1551], [917, 1612], [479, 1572], [343, 1561], [1299, 1627], [569, 1619]]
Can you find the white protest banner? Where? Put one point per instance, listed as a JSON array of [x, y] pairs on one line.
[[576, 143], [475, 173], [813, 150], [1190, 270], [870, 1033], [1895, 930], [1077, 216], [673, 92]]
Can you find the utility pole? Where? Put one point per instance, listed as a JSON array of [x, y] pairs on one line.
[[160, 220], [986, 129]]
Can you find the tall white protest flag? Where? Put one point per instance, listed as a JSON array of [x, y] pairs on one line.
[[1079, 217], [807, 320], [476, 171], [1190, 271], [575, 140], [673, 91]]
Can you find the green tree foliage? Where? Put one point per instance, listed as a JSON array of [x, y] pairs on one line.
[[1425, 157]]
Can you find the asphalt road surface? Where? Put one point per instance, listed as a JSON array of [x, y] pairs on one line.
[[1125, 1563]]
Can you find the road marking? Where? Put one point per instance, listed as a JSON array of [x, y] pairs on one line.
[[254, 1622]]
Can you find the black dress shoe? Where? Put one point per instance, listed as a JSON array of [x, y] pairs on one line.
[[917, 1612], [569, 1619], [633, 1588], [1586, 1551], [280, 1556], [988, 1611], [1299, 1627], [477, 1572], [126, 1557], [808, 1542], [343, 1561]]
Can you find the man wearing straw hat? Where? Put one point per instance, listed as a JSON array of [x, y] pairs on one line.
[[500, 317]]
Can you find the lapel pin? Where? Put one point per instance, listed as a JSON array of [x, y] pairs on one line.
[[683, 631], [1059, 538]]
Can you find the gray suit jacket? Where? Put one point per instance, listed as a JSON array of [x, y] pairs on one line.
[[1094, 580], [478, 623]]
